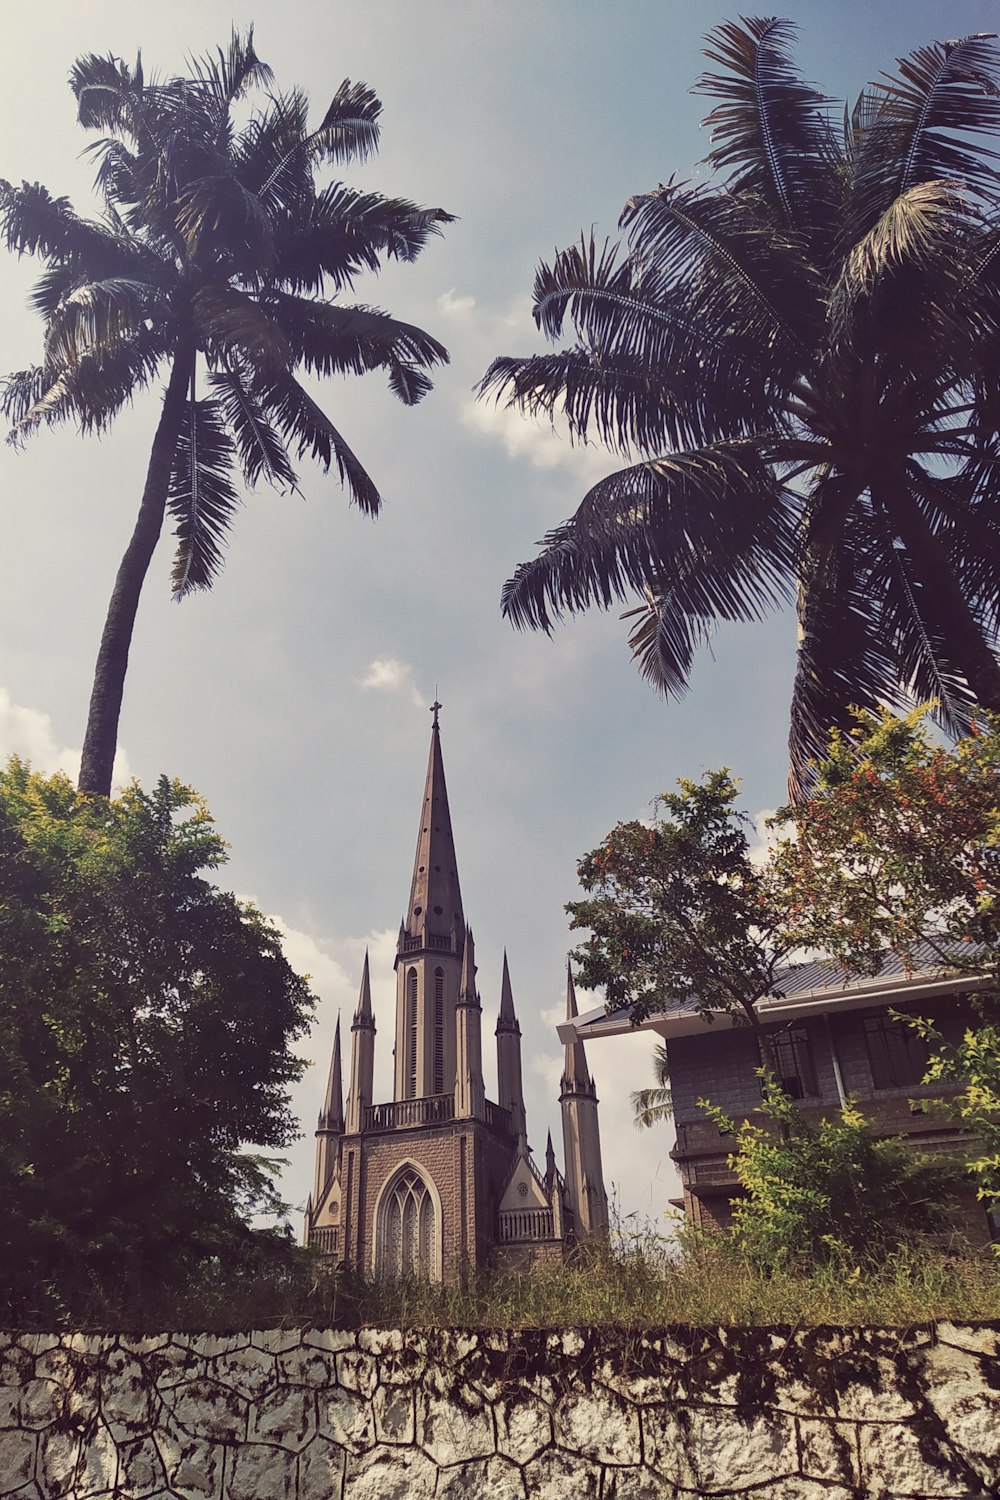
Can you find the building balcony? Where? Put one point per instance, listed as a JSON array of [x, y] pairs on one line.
[[525, 1224], [431, 1109], [431, 941], [408, 1114]]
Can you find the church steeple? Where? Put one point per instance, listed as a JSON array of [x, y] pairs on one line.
[[581, 1135], [330, 1126], [332, 1114], [435, 906], [576, 1077], [430, 948]]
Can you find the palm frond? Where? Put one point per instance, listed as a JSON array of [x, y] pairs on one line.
[[229, 320], [202, 499], [928, 123], [843, 659], [106, 90], [327, 339], [716, 243], [261, 451], [919, 241], [91, 392], [301, 421], [225, 224], [652, 1106], [228, 75], [341, 233], [712, 366], [96, 317], [710, 534], [349, 129], [770, 131]]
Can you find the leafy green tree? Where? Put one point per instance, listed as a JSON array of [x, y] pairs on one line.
[[146, 1019], [210, 262], [897, 848], [679, 912], [830, 1193], [796, 361]]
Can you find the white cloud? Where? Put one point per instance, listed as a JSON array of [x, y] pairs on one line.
[[455, 305], [542, 444], [387, 674], [30, 733]]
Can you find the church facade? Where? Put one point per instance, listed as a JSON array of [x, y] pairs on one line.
[[441, 1179]]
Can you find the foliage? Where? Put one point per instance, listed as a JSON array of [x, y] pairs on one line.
[[642, 1280], [830, 1192], [651, 1106], [678, 911], [144, 1048], [794, 360], [971, 1067], [216, 245], [897, 848]]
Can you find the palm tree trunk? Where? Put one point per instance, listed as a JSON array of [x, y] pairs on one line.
[[101, 739], [946, 605]]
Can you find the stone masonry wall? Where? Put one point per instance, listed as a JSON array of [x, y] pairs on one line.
[[320, 1414]]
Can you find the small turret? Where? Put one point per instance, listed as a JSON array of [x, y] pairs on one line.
[[362, 1056], [581, 1134], [510, 1088], [470, 1093], [330, 1125]]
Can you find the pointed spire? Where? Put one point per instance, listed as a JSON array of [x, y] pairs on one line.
[[332, 1116], [467, 983], [550, 1161], [576, 1077], [364, 1016], [507, 1019], [435, 896]]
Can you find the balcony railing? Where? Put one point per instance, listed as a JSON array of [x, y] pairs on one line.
[[438, 944], [405, 1114], [526, 1224], [327, 1240], [499, 1119]]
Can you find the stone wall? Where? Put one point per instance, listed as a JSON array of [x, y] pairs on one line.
[[319, 1414]]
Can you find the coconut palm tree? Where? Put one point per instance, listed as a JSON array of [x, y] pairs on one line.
[[797, 362], [653, 1106], [209, 263]]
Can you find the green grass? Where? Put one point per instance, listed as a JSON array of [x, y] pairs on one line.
[[640, 1282]]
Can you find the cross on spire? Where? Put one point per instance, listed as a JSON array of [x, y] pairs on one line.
[[436, 709]]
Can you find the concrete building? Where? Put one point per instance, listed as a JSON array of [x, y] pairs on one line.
[[833, 1038], [441, 1179]]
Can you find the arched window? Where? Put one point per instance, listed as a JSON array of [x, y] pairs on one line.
[[408, 1232], [439, 1031], [411, 1034]]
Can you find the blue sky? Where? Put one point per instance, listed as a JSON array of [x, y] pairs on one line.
[[294, 695]]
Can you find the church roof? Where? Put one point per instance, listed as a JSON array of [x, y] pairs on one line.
[[435, 905]]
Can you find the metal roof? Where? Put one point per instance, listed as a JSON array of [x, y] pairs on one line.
[[810, 987]]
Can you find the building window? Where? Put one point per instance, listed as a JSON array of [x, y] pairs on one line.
[[411, 1034], [407, 1234], [439, 1031], [793, 1062], [897, 1055]]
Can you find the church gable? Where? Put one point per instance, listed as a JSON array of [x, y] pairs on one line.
[[524, 1187]]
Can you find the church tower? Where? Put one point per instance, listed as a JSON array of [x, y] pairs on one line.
[[440, 1179]]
